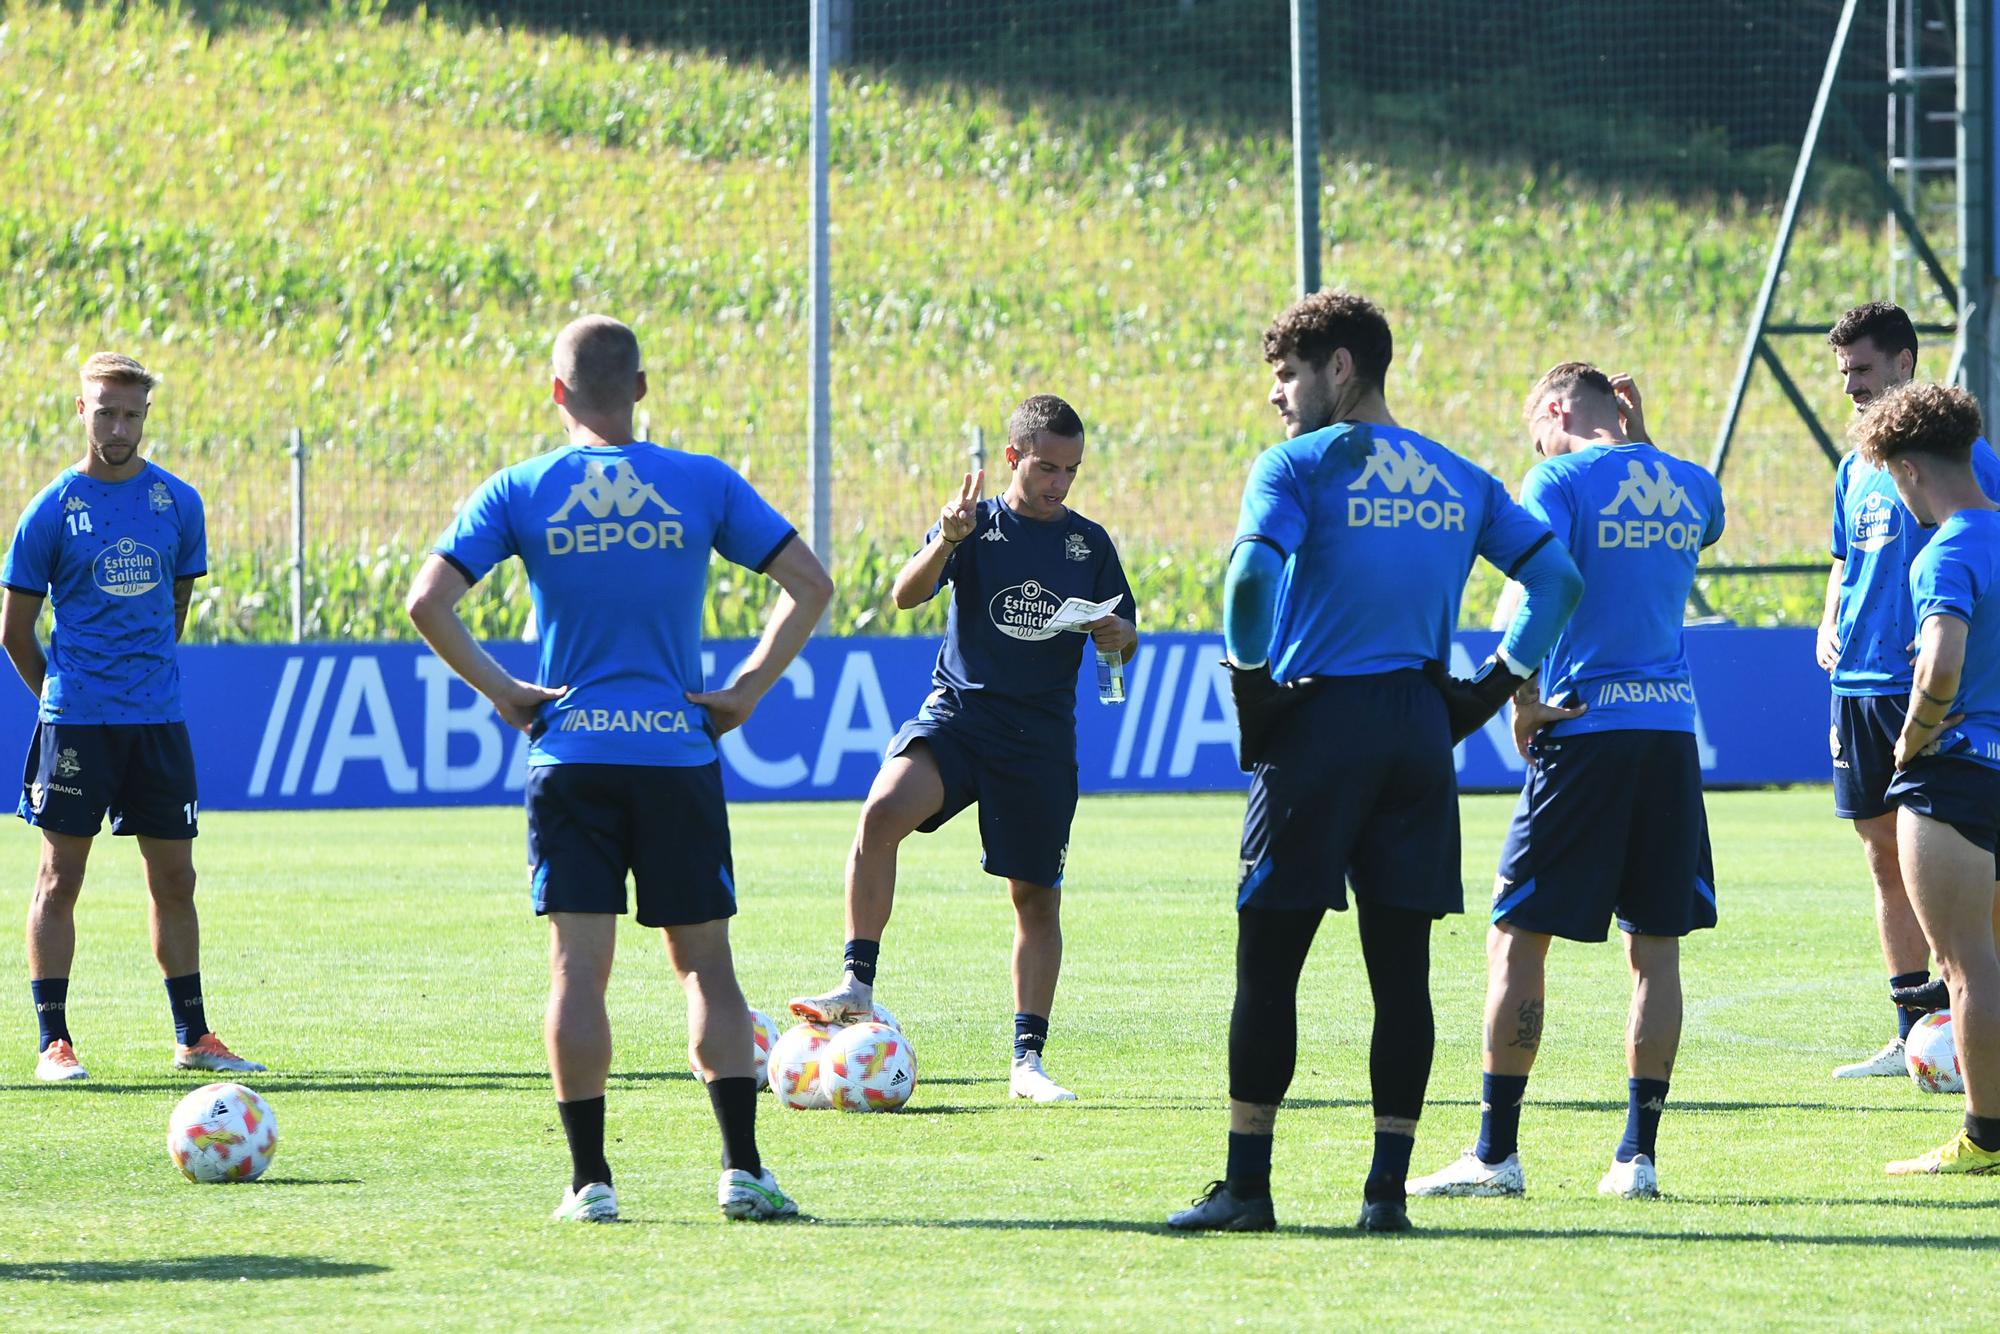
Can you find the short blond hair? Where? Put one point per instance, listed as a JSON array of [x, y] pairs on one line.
[[597, 357], [117, 368]]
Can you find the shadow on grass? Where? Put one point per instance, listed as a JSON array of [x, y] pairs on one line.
[[308, 1181], [1423, 1231], [203, 1269]]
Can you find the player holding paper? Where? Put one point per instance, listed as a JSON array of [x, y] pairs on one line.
[[999, 728], [1351, 555], [1610, 820], [1946, 792]]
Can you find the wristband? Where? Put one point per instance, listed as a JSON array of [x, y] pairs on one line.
[[951, 541]]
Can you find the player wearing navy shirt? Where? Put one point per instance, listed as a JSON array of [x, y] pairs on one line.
[[114, 545], [1864, 646], [1610, 821], [1946, 789], [1351, 555], [615, 534], [999, 727]]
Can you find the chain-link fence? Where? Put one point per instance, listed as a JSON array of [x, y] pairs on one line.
[[365, 221]]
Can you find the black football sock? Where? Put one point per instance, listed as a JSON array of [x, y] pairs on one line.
[[51, 1008], [583, 1126], [1500, 1116], [184, 999], [1031, 1034], [1907, 1019], [735, 1104], [1390, 1166], [1645, 1099], [1249, 1173], [1983, 1131], [859, 959]]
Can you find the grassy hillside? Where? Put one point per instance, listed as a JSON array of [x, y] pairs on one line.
[[370, 228]]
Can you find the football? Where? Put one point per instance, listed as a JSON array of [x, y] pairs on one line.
[[882, 1015], [794, 1070], [763, 1032], [1932, 1055], [222, 1132], [868, 1068]]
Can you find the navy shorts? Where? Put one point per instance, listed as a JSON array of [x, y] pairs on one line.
[[1863, 741], [1962, 793], [1609, 822], [1358, 787], [590, 824], [141, 773], [1026, 799]]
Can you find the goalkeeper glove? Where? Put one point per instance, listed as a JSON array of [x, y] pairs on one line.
[[1470, 704], [1260, 702], [1926, 997]]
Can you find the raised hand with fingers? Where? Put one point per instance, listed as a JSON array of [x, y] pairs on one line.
[[1630, 408], [961, 513]]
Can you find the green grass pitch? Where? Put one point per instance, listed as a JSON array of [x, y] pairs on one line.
[[386, 967]]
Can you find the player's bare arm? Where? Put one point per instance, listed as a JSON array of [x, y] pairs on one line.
[[18, 613], [1940, 659], [1826, 648], [807, 590], [1532, 713], [1115, 634], [917, 581], [1631, 408], [433, 609], [183, 596]]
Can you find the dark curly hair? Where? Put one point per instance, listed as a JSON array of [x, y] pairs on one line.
[[1315, 326], [1917, 418], [1883, 323]]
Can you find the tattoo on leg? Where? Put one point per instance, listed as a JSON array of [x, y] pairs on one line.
[[1529, 1035], [1263, 1118]]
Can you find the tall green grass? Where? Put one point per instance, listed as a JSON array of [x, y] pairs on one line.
[[369, 227]]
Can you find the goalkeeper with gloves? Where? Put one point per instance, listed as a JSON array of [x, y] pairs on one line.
[[1351, 555]]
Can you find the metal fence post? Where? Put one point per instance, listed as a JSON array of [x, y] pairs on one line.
[[1305, 140], [296, 448], [975, 450]]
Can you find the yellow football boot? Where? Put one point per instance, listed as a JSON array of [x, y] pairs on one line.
[[1961, 1155]]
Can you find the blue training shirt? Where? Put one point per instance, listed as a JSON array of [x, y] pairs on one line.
[[1955, 575], [106, 555], [1635, 521], [1879, 540], [1378, 527], [616, 540], [1001, 667]]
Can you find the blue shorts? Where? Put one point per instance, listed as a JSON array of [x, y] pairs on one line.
[[1609, 822], [141, 773], [1358, 787], [1026, 799], [1961, 793], [1863, 741], [589, 824]]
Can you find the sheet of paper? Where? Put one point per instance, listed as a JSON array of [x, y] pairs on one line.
[[1075, 613]]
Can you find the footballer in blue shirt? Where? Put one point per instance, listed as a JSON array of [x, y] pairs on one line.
[[1864, 646], [1352, 549], [623, 778], [1946, 789], [999, 727], [114, 545], [1610, 821]]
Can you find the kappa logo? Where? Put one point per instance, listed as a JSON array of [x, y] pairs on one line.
[[1074, 547], [603, 492], [67, 764], [1876, 522], [160, 498], [1403, 473], [75, 503], [993, 534], [1656, 498]]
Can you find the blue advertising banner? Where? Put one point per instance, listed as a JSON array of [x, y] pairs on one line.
[[343, 725]]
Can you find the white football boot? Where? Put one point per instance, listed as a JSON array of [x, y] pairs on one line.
[[1636, 1180], [595, 1203], [1469, 1175], [58, 1063], [1888, 1061], [760, 1197], [1028, 1080], [849, 1003]]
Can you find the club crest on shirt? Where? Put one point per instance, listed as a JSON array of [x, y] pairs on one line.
[[160, 498], [1876, 522], [1076, 548], [67, 764], [127, 568], [1024, 611]]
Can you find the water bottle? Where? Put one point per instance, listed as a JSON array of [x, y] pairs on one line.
[[1110, 677]]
